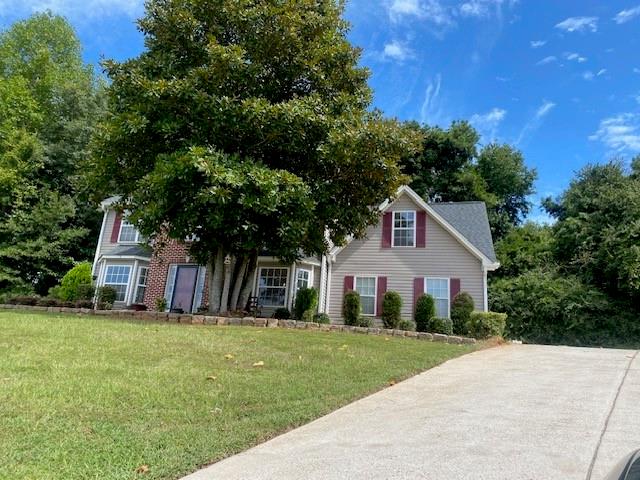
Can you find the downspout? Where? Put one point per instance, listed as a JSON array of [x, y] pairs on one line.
[[484, 283], [323, 286]]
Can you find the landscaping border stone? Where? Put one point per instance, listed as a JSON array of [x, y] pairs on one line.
[[200, 319]]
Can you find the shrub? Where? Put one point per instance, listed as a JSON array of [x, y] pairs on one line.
[[78, 275], [440, 325], [406, 325], [461, 309], [48, 302], [321, 318], [83, 304], [86, 291], [308, 316], [425, 311], [306, 299], [351, 308], [54, 292], [24, 300], [282, 313], [106, 296], [364, 322], [487, 324], [391, 307], [161, 304]]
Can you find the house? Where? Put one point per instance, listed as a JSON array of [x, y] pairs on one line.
[[417, 247]]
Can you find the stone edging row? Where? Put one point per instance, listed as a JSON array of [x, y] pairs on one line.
[[195, 319]]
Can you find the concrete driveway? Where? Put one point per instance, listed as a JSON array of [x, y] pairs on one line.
[[512, 412]]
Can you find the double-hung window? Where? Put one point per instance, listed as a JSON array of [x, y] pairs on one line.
[[141, 287], [438, 288], [303, 278], [404, 229], [272, 287], [117, 276], [128, 233], [366, 287]]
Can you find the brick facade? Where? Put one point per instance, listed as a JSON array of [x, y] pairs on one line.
[[171, 252]]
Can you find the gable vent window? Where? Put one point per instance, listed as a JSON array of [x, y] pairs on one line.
[[404, 229]]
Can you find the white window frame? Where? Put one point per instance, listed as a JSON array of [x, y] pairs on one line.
[[138, 284], [126, 223], [448, 292], [286, 284], [375, 293], [127, 285], [393, 228], [309, 279]]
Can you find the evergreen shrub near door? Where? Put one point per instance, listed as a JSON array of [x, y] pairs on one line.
[[306, 299], [351, 308], [461, 309], [73, 280], [391, 307], [487, 324]]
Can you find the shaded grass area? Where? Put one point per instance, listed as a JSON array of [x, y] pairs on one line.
[[82, 397]]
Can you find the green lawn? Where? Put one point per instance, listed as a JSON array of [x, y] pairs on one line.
[[96, 398]]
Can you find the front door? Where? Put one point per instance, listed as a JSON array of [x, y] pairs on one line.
[[185, 287]]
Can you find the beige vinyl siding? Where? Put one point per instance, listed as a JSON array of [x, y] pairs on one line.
[[316, 279], [443, 256]]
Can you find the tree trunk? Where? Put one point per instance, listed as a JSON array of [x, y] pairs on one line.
[[215, 281], [228, 270], [245, 292], [237, 284]]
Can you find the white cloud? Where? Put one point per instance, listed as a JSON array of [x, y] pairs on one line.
[[80, 9], [537, 43], [620, 133], [636, 70], [547, 60], [431, 10], [625, 16], [535, 121], [579, 24], [483, 8], [487, 123], [588, 75], [575, 57], [396, 50], [602, 71], [431, 111]]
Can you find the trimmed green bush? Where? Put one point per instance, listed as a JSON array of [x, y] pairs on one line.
[[406, 325], [308, 316], [351, 308], [78, 275], [106, 297], [321, 318], [461, 309], [24, 300], [282, 313], [161, 304], [391, 307], [86, 291], [487, 324], [306, 299], [54, 292], [440, 325], [48, 302], [425, 311], [364, 322]]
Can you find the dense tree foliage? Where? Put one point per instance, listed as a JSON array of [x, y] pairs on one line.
[[49, 102], [245, 126], [451, 166]]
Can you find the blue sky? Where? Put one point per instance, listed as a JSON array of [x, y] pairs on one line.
[[559, 79]]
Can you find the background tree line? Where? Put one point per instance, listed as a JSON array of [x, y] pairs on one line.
[[295, 151]]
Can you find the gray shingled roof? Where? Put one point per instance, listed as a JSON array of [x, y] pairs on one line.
[[131, 251], [470, 219]]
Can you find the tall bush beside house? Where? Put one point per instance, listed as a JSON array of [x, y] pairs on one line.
[[306, 299], [391, 307], [106, 297], [75, 282], [351, 308], [461, 309], [425, 311]]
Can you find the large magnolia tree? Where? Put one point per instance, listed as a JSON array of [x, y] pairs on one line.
[[245, 126]]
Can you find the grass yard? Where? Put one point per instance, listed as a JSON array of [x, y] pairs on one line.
[[86, 397]]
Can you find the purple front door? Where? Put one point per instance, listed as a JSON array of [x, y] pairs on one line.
[[184, 288]]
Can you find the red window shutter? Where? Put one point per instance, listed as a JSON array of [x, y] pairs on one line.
[[421, 229], [348, 283], [418, 289], [382, 289], [454, 288], [387, 218], [116, 228]]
